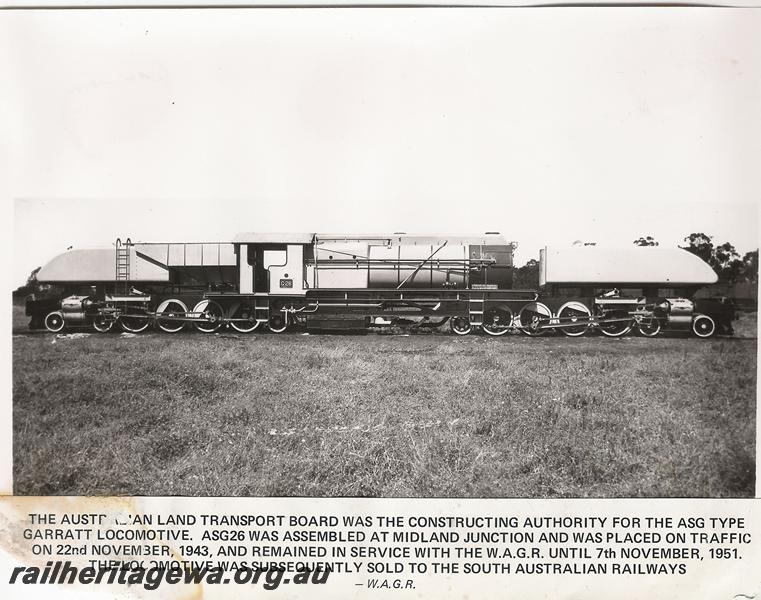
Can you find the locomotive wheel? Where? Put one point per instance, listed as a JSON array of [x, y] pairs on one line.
[[54, 321], [497, 321], [573, 312], [703, 326], [102, 324], [616, 328], [649, 327], [247, 326], [134, 324], [211, 317], [460, 325], [278, 323], [531, 316], [171, 308]]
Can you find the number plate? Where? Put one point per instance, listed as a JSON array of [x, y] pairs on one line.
[[286, 283]]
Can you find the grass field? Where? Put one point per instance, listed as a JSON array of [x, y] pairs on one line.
[[383, 415]]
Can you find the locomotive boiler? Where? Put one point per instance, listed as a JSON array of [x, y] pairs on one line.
[[350, 282]]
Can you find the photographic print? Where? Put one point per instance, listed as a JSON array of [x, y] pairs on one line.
[[454, 253]]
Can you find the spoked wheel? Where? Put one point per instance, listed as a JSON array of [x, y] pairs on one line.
[[278, 323], [621, 326], [649, 327], [532, 316], [573, 312], [54, 322], [132, 322], [102, 323], [460, 325], [211, 315], [497, 321], [248, 322], [171, 308], [703, 326]]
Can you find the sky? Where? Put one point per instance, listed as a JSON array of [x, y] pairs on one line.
[[548, 125]]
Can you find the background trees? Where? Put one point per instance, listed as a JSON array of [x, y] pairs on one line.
[[724, 258], [527, 276], [645, 241], [29, 286]]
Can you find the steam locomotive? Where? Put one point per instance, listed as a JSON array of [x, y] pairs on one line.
[[358, 282]]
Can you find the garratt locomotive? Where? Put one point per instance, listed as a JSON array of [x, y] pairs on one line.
[[350, 282]]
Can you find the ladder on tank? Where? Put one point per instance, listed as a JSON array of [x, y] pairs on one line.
[[122, 266]]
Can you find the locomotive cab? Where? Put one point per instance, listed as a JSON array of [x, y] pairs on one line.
[[272, 263]]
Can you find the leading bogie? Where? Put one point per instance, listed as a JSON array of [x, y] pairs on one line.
[[703, 326], [103, 323], [649, 327], [460, 325], [54, 321]]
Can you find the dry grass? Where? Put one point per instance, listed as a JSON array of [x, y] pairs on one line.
[[425, 415]]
